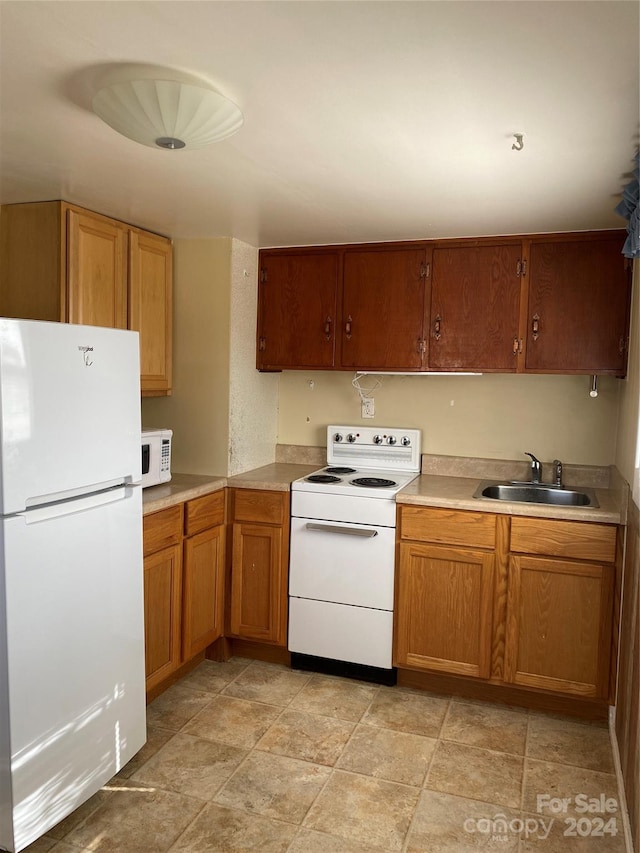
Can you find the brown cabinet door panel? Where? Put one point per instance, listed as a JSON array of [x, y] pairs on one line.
[[203, 609], [256, 583], [579, 295], [559, 625], [383, 309], [444, 609], [162, 613], [297, 310], [97, 271], [475, 303]]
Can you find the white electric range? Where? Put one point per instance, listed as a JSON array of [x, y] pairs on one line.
[[341, 576]]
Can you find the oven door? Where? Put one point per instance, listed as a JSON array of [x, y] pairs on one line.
[[342, 562]]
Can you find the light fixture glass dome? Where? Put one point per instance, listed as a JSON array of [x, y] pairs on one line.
[[167, 114]]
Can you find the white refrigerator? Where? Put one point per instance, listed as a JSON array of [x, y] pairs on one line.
[[72, 695]]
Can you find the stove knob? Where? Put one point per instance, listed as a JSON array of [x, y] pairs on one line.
[[377, 439], [406, 441], [351, 438], [391, 439], [337, 436]]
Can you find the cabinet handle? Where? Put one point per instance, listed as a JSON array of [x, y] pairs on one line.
[[621, 345], [521, 268], [515, 346], [327, 328], [347, 327], [436, 327], [535, 326], [425, 270]]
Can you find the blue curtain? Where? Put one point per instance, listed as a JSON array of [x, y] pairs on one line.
[[629, 208]]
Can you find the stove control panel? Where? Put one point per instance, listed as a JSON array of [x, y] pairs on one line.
[[374, 447]]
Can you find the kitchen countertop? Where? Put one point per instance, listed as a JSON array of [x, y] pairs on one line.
[[433, 490], [457, 493]]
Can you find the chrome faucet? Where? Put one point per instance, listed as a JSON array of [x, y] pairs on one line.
[[536, 468], [557, 471]]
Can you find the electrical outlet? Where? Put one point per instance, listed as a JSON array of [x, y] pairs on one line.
[[368, 407]]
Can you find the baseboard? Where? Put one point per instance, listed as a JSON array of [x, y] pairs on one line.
[[622, 800]]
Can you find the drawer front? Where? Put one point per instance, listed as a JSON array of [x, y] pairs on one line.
[[580, 540], [161, 529], [254, 505], [448, 527], [204, 512]]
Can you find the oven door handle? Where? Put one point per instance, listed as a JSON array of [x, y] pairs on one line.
[[364, 532]]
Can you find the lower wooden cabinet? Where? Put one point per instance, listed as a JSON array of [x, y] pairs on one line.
[[259, 565], [517, 601], [183, 583]]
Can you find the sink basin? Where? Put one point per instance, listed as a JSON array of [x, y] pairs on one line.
[[539, 493]]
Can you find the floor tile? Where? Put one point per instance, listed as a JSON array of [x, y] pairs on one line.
[[569, 742], [62, 829], [407, 711], [233, 721], [310, 841], [335, 697], [144, 820], [225, 830], [366, 810], [447, 824], [309, 737], [274, 786], [486, 726], [544, 780], [388, 754], [175, 707], [212, 676], [191, 766], [273, 685], [559, 836], [42, 845], [156, 738], [63, 847], [478, 774]]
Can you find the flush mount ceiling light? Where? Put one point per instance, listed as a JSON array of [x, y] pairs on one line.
[[167, 113]]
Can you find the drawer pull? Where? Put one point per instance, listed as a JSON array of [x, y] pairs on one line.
[[364, 532]]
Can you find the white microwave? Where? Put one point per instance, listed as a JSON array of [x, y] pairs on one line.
[[156, 456]]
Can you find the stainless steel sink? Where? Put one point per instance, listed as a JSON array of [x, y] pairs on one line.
[[539, 493]]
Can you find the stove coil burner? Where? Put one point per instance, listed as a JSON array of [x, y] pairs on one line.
[[322, 478], [374, 482], [334, 470]]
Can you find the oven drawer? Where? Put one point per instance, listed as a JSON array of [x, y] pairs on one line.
[[360, 510], [342, 562], [339, 632]]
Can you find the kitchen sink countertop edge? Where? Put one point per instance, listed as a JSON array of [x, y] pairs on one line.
[[457, 493]]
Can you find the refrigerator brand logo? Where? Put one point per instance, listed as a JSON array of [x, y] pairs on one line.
[[88, 361]]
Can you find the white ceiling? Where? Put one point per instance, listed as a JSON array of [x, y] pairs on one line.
[[363, 120]]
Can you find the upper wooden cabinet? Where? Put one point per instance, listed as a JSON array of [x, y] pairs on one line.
[[297, 310], [67, 264], [475, 307], [383, 309], [578, 306], [516, 304]]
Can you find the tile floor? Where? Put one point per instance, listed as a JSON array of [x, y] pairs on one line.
[[249, 756]]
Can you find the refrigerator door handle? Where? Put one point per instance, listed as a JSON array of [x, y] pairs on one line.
[[56, 510]]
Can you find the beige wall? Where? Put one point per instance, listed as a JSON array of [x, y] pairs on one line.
[[494, 416], [198, 410]]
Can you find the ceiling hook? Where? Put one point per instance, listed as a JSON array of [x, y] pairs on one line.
[[518, 145]]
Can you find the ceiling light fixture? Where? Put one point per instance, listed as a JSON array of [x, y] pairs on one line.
[[167, 113]]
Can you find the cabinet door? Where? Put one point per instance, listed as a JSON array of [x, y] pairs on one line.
[[383, 309], [162, 613], [258, 600], [151, 308], [444, 609], [559, 625], [579, 294], [203, 591], [475, 308], [96, 271], [297, 310]]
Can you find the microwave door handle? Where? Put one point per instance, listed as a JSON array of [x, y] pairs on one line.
[[363, 532]]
